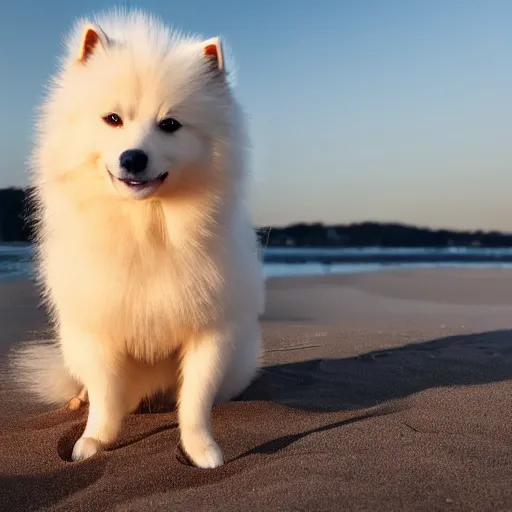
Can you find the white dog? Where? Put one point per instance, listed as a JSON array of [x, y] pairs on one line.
[[146, 254]]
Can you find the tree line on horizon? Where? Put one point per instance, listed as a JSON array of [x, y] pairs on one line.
[[15, 226], [377, 234]]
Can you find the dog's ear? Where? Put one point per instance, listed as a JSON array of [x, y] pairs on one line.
[[213, 50], [92, 37]]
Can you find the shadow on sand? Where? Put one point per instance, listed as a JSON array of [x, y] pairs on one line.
[[387, 375]]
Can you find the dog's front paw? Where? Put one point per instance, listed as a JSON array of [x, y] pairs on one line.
[[201, 449], [85, 447]]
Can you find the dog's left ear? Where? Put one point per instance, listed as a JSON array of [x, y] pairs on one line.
[[213, 50], [92, 38]]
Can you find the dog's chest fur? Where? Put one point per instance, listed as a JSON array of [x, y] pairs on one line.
[[140, 284]]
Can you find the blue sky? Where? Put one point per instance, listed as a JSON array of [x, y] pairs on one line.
[[389, 110]]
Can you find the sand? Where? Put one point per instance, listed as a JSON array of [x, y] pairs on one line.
[[383, 391]]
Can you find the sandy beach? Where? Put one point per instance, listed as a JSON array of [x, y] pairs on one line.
[[380, 391]]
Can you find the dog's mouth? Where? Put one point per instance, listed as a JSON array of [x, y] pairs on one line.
[[142, 184], [140, 188]]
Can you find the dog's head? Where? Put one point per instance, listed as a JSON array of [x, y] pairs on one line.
[[139, 108]]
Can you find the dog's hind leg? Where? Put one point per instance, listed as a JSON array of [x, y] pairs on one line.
[[78, 401]]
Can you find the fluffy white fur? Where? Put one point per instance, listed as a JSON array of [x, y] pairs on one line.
[[159, 291]]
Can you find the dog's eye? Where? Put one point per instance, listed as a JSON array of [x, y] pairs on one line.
[[169, 125], [113, 120]]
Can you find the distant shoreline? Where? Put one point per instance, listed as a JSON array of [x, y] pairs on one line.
[[390, 257], [14, 253]]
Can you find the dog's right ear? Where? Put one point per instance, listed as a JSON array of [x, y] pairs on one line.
[[212, 49], [92, 37]]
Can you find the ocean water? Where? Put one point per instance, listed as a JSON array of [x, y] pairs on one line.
[[15, 260], [436, 252]]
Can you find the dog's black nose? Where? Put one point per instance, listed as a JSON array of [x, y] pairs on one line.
[[133, 160]]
